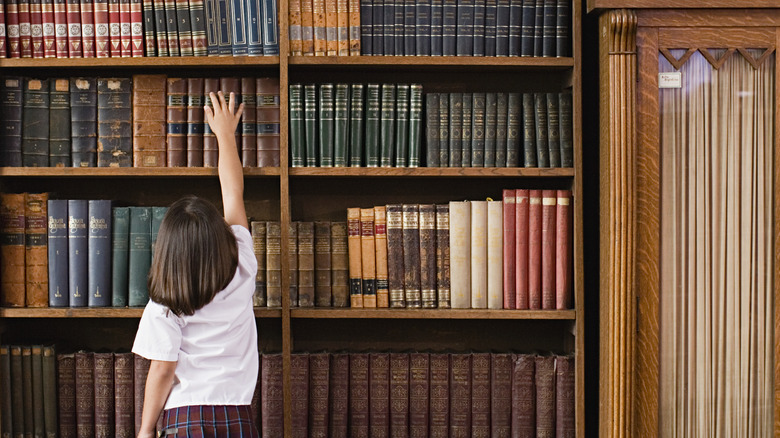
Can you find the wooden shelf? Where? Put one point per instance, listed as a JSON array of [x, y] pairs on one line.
[[142, 62], [326, 313], [431, 172], [128, 171], [101, 312], [433, 62]]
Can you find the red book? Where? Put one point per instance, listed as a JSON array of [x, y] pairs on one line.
[[399, 395], [12, 29], [319, 381], [460, 395], [66, 395], [24, 28], [75, 49], [535, 249], [480, 394], [299, 393], [49, 37], [102, 24], [548, 248], [440, 395], [545, 395], [114, 29], [124, 28], [136, 29], [379, 395], [140, 371], [195, 116], [419, 393], [2, 30], [85, 393], [523, 396], [563, 251], [358, 395], [271, 402], [87, 28], [509, 249], [564, 397], [521, 249], [104, 394], [210, 147], [501, 394], [36, 28], [61, 28], [338, 400], [123, 395]]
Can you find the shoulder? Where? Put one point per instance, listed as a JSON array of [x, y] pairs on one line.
[[246, 254]]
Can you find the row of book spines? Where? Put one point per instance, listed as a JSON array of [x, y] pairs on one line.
[[23, 279], [466, 27], [499, 130], [29, 390], [61, 122], [325, 27]]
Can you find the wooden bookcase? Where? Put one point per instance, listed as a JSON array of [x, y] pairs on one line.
[[291, 194]]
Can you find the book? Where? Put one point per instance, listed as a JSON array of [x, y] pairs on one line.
[[123, 395], [307, 28], [455, 129], [427, 252], [11, 21], [139, 255], [495, 254], [11, 120], [464, 30], [535, 251], [415, 126], [491, 119], [549, 200], [549, 27], [294, 28], [449, 27], [331, 28], [479, 254], [379, 394], [114, 141], [564, 397], [513, 125], [306, 265], [354, 242], [270, 28], [501, 129], [102, 28], [509, 248], [104, 394], [75, 49], [325, 124], [432, 129], [366, 27], [268, 125], [57, 240], [171, 27], [340, 125], [355, 129], [478, 129], [87, 28], [176, 122], [299, 393], [115, 18], [460, 254], [36, 252], [338, 397], [35, 123], [437, 18], [271, 404], [563, 28], [395, 255], [563, 250], [419, 393], [195, 121], [359, 395], [85, 393], [198, 24], [529, 131], [349, 28], [387, 36], [323, 290], [99, 253], [36, 376], [542, 132], [440, 395], [501, 394], [66, 394], [490, 26], [78, 246], [444, 130], [319, 29], [310, 125], [120, 253], [296, 133], [538, 35], [399, 394], [136, 29], [368, 257], [49, 382], [521, 254], [340, 265], [59, 123], [372, 122], [258, 231], [460, 395], [411, 251], [17, 391], [83, 115], [273, 260], [544, 374], [524, 397], [12, 249], [553, 130], [478, 29], [319, 389], [5, 390], [249, 121], [149, 121], [566, 129], [210, 146], [443, 255], [140, 371], [465, 142], [184, 27], [387, 126], [160, 28], [126, 33], [480, 394]]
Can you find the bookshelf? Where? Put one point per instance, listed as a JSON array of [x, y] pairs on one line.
[[307, 194]]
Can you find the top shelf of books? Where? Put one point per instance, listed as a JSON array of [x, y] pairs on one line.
[[143, 62]]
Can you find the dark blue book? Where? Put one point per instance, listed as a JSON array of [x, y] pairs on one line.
[[238, 27], [99, 249], [212, 27], [366, 27], [527, 28], [491, 21], [78, 282], [83, 117], [398, 27], [254, 29], [171, 27], [549, 24], [388, 26], [270, 28], [410, 33], [449, 27], [503, 15], [378, 27], [11, 122], [437, 27], [57, 210], [464, 41], [515, 39], [222, 18], [140, 255], [422, 28], [563, 29], [479, 28], [120, 240], [538, 27]]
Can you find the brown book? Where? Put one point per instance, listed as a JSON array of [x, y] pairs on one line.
[[535, 249], [258, 245], [395, 255], [49, 369], [419, 394], [248, 143], [548, 248], [307, 27], [523, 396], [12, 249], [210, 146], [306, 264], [379, 394], [294, 27], [342, 27], [339, 260], [354, 27], [380, 247], [271, 402], [85, 393], [66, 395], [195, 121], [176, 116], [17, 392], [521, 248], [545, 395], [443, 255], [299, 394], [273, 263], [338, 398], [268, 120], [355, 258], [36, 361], [411, 244], [564, 397], [149, 130], [358, 395], [323, 290], [292, 256], [331, 27], [123, 395], [508, 238], [368, 256], [440, 395], [104, 394], [6, 404], [563, 251], [36, 252], [232, 85], [460, 395], [399, 395], [27, 391], [501, 394], [319, 27], [140, 371], [480, 395], [428, 255], [319, 382]]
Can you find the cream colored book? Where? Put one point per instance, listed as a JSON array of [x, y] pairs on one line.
[[478, 257], [460, 254], [495, 254]]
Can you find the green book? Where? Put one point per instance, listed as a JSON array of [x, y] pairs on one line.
[[297, 152], [444, 130], [387, 126], [553, 130], [478, 130], [513, 130], [120, 237], [540, 121], [415, 124], [158, 213], [432, 129], [529, 131], [5, 391], [27, 391], [402, 126], [465, 159], [36, 360], [373, 105], [566, 125], [310, 123], [491, 106], [356, 125], [140, 255], [456, 121], [326, 125], [17, 392], [341, 125], [501, 122], [50, 410]]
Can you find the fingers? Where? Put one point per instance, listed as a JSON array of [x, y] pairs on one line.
[[240, 110], [220, 104]]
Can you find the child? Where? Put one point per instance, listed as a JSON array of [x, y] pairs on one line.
[[199, 328]]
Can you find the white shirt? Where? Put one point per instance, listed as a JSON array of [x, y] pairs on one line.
[[216, 347]]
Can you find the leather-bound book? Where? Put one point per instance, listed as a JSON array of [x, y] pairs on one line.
[[75, 49], [307, 28], [259, 247], [319, 382], [149, 130], [195, 101], [460, 395], [542, 133], [359, 395], [83, 117], [419, 394], [373, 113], [104, 394], [27, 391], [66, 395], [325, 108], [427, 254], [87, 9], [563, 251], [479, 256], [432, 130], [379, 394], [273, 260], [340, 124], [78, 248], [306, 278], [6, 409], [17, 392], [140, 371], [59, 123], [271, 403], [268, 119], [401, 151], [466, 122], [323, 290], [529, 131], [11, 42], [495, 255], [123, 395], [36, 366], [338, 397], [478, 127], [102, 24], [49, 370], [509, 248], [35, 122], [440, 395], [443, 255], [513, 130], [553, 129], [125, 32], [299, 393], [353, 28], [460, 254], [319, 27], [368, 253], [294, 28], [501, 394], [355, 258], [491, 120], [120, 253], [535, 249], [549, 200], [85, 393], [296, 133], [12, 249], [455, 129], [49, 40], [210, 146], [184, 28], [248, 144], [36, 252], [545, 395], [176, 118], [564, 397], [232, 85], [480, 395], [523, 396], [99, 253], [395, 255], [521, 248], [566, 128], [380, 246], [331, 28], [387, 124], [399, 395], [292, 257], [115, 17], [339, 260], [11, 121], [502, 153]]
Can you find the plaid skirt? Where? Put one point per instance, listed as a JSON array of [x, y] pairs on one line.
[[210, 422]]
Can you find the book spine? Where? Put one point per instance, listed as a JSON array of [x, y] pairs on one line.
[[271, 404], [294, 27], [259, 247], [524, 398], [440, 390], [419, 394], [139, 255], [59, 123], [319, 389], [17, 392], [36, 362], [480, 394], [78, 211], [553, 130], [353, 26], [341, 125], [373, 118], [338, 400], [409, 39], [395, 256], [114, 144], [564, 397], [12, 248], [254, 24], [299, 387], [355, 150], [521, 248], [184, 27], [500, 404], [437, 28], [198, 22], [149, 107], [326, 134], [460, 254], [380, 239], [331, 27], [427, 251], [339, 264], [449, 27], [35, 123], [120, 241], [57, 211], [355, 257], [323, 290], [195, 122], [224, 26], [310, 124], [398, 28], [85, 393], [399, 395], [468, 103], [66, 394], [123, 395], [378, 30], [368, 256], [125, 31], [544, 373], [36, 28], [49, 393], [529, 131], [11, 121], [274, 264], [210, 147], [11, 16], [388, 26], [268, 122], [379, 394], [443, 255], [249, 122], [479, 254], [104, 394], [270, 27], [495, 230], [460, 395], [527, 28], [115, 27], [432, 129], [491, 119], [359, 395], [140, 372], [464, 31], [307, 27], [566, 136], [513, 124], [60, 28], [102, 35], [171, 27], [455, 129], [387, 126], [402, 126], [538, 36], [297, 151], [478, 28], [88, 27], [5, 391], [478, 129], [502, 153], [548, 248], [232, 85], [150, 43], [507, 26], [563, 28], [444, 130], [75, 49], [160, 26], [535, 217], [422, 28], [136, 29], [549, 28], [99, 253], [319, 26], [36, 252], [366, 27], [509, 248], [411, 254], [238, 26], [491, 27], [563, 250], [49, 38]]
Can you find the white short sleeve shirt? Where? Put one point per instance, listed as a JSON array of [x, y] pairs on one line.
[[216, 347]]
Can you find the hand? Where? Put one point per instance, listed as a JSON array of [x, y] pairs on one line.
[[223, 118], [148, 434]]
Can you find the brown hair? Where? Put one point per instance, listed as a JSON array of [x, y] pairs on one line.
[[195, 256]]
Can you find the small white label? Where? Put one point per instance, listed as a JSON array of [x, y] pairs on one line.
[[670, 80]]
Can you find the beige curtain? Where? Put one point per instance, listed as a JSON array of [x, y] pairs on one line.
[[716, 304]]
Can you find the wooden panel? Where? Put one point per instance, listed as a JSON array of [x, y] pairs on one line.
[[716, 37], [676, 4], [709, 17], [776, 241]]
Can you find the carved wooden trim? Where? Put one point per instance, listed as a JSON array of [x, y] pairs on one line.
[[618, 152], [677, 63], [716, 63]]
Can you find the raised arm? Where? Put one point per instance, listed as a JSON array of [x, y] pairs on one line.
[[223, 120]]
